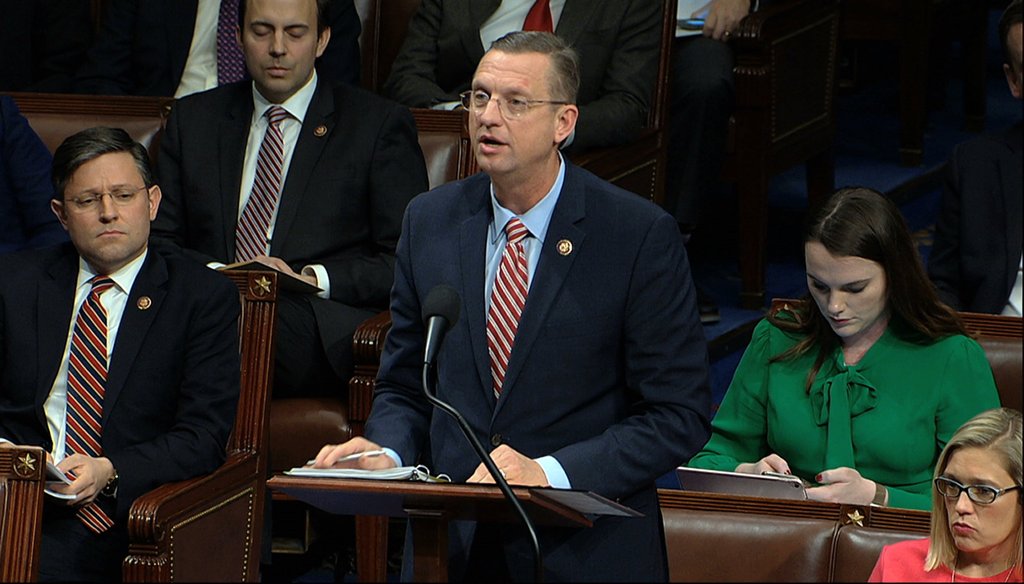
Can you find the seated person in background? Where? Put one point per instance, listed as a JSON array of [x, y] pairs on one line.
[[43, 42], [617, 40], [702, 100], [860, 389], [118, 358], [25, 189], [179, 47], [579, 355], [976, 260], [305, 177], [976, 533]]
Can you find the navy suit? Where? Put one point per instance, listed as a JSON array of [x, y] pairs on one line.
[[355, 167], [617, 41], [25, 189], [978, 234], [144, 45], [172, 387], [608, 373]]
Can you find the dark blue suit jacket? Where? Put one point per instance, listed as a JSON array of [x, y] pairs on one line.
[[608, 373], [144, 44], [25, 189], [173, 381], [978, 234]]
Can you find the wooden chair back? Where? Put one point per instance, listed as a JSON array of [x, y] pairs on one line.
[[22, 478], [54, 116]]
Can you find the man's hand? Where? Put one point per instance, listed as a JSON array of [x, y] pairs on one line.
[[842, 485], [517, 469], [771, 463], [91, 475], [723, 16], [282, 266], [329, 455]]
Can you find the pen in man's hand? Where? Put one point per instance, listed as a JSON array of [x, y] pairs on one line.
[[353, 456]]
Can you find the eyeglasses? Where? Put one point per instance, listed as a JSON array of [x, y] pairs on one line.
[[91, 201], [513, 108], [981, 494]]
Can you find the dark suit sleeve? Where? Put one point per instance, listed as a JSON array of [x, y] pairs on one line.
[[619, 109], [397, 173], [666, 374], [944, 261], [206, 400], [61, 34], [107, 69], [340, 61], [413, 79], [26, 171]]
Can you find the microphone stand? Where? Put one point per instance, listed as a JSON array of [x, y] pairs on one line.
[[429, 390]]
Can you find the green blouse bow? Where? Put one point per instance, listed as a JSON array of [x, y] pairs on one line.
[[836, 398]]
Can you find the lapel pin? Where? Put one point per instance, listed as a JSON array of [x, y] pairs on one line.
[[144, 303], [564, 247], [320, 131]]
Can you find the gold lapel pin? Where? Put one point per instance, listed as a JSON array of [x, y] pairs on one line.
[[320, 131], [144, 303], [564, 247]]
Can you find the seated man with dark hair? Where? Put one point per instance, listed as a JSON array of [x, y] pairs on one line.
[[118, 358]]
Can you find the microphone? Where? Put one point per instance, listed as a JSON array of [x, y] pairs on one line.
[[440, 312]]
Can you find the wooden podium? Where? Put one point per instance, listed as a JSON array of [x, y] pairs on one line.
[[433, 505]]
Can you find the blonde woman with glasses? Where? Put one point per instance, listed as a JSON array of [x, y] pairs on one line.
[[976, 510]]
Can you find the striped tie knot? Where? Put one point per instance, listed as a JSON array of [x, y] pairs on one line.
[[101, 284], [276, 114], [515, 230]]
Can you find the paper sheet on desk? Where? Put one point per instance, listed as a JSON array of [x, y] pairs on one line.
[[684, 10], [388, 474]]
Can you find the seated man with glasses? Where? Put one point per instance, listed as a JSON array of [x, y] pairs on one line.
[[976, 531], [119, 358]]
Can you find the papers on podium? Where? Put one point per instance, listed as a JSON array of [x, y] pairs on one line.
[[285, 280], [387, 474], [735, 483]]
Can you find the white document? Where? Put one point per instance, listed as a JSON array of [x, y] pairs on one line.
[[387, 474], [54, 478]]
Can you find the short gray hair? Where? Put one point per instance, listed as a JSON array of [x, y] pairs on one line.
[[90, 144], [564, 78]]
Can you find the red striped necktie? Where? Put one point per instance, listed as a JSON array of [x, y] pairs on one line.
[[252, 236], [539, 17], [507, 300], [87, 380]]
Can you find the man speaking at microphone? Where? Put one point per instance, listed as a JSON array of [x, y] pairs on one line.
[[579, 357]]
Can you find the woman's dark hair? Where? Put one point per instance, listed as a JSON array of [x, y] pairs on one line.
[[860, 222]]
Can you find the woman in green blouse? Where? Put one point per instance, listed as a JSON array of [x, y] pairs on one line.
[[859, 390]]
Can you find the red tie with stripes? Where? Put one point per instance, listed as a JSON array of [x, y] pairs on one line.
[[252, 234], [87, 379], [507, 300], [539, 17]]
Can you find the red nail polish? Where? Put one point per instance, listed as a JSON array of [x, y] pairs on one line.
[[817, 478]]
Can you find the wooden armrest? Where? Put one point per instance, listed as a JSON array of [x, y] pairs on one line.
[[188, 530], [367, 346]]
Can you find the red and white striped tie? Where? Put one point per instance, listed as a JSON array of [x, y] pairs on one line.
[[507, 300], [252, 234], [87, 380]]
